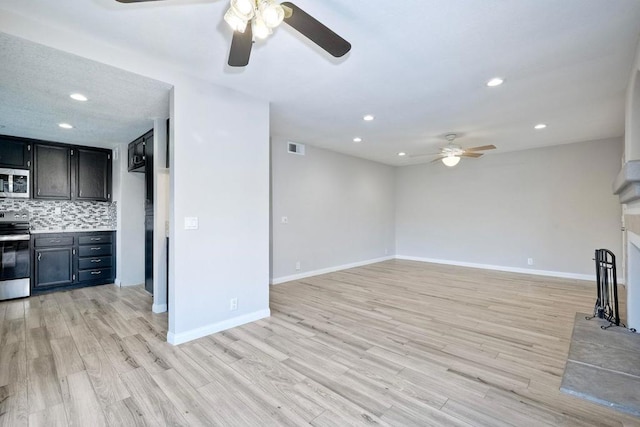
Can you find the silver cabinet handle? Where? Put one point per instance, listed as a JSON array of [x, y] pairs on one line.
[[95, 249], [96, 260], [55, 240], [96, 239], [96, 272], [39, 256]]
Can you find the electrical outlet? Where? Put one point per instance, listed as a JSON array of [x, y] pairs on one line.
[[233, 304], [298, 265], [530, 261], [284, 220]]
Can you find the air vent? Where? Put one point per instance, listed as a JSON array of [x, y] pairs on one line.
[[295, 148]]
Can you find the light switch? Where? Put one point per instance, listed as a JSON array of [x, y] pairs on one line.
[[191, 223], [284, 220]]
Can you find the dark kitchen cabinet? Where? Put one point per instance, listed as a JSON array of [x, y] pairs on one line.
[[52, 172], [72, 260], [53, 267], [93, 178], [137, 152], [15, 153], [64, 172]]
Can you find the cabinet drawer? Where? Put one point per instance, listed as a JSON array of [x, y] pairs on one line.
[[95, 262], [90, 240], [94, 250], [53, 241], [95, 274]]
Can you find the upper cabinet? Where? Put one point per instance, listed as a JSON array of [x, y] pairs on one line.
[[15, 153], [138, 152], [63, 172], [52, 172], [93, 175]]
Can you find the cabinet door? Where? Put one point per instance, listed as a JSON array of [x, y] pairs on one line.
[[94, 175], [14, 153], [53, 267], [137, 155], [52, 172]]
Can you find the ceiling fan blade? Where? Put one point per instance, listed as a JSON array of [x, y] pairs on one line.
[[484, 147], [476, 155], [437, 159], [241, 47], [315, 31]]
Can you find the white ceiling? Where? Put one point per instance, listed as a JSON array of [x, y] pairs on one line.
[[419, 66]]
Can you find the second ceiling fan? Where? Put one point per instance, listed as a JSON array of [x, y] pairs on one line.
[[451, 153], [258, 18]]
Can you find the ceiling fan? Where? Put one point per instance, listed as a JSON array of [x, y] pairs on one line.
[[258, 18], [451, 153]]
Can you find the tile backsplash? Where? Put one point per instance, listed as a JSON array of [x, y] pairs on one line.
[[62, 215]]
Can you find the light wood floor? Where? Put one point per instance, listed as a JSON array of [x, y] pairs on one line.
[[397, 343]]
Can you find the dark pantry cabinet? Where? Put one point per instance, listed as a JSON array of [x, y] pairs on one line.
[[63, 172]]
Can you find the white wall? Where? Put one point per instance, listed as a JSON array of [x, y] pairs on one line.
[[128, 192], [554, 205], [340, 211], [219, 173]]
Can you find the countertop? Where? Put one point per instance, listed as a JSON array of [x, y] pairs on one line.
[[72, 230]]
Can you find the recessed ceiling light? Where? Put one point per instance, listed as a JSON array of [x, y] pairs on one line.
[[78, 97], [496, 81], [357, 139], [368, 118], [540, 126], [402, 154], [65, 125]]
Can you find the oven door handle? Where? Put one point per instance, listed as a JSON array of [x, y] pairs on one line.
[[15, 238]]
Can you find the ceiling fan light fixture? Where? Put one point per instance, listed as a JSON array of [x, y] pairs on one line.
[[272, 13], [235, 21], [451, 161]]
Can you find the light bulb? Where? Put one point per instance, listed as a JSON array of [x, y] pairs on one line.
[[236, 22], [272, 13], [260, 29], [451, 161], [244, 7]]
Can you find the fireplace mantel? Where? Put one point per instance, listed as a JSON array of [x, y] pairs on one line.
[[627, 183]]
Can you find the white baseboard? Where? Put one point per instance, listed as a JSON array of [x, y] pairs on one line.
[[117, 282], [203, 331], [279, 280], [159, 308], [560, 274]]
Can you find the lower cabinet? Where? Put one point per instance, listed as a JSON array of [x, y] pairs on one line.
[[72, 260]]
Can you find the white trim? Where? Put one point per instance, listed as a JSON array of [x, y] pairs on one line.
[[560, 274], [203, 331], [159, 308], [306, 274], [117, 282]]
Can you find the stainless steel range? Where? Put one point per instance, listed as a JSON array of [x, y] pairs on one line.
[[15, 267]]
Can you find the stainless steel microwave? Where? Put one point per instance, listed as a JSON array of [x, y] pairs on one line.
[[14, 183]]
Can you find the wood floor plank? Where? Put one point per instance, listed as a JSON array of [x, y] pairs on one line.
[[44, 388], [66, 356], [156, 408], [54, 416], [125, 413], [14, 409], [104, 378], [80, 402]]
